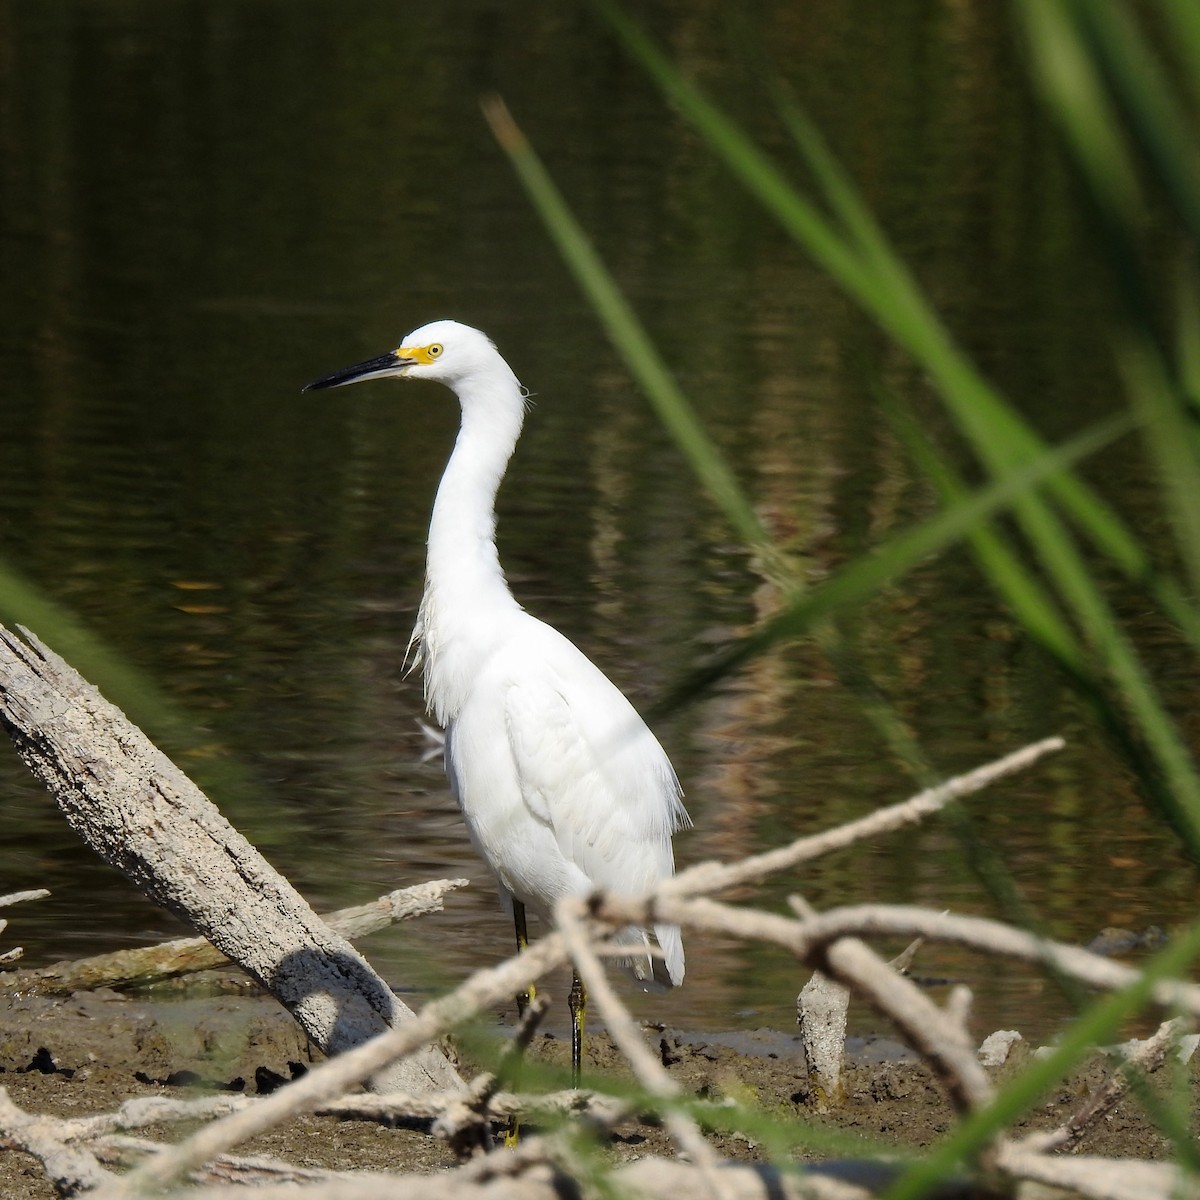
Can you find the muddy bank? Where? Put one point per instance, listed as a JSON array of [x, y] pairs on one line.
[[87, 1053]]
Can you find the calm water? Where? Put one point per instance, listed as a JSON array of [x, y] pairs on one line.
[[207, 204]]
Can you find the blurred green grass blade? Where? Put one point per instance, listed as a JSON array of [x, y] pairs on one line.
[[1115, 538], [628, 334], [1182, 25], [1091, 512], [166, 723], [860, 223], [1029, 601], [1073, 87], [997, 433], [1115, 654], [1144, 90], [891, 275], [21, 603], [863, 578], [793, 211], [1099, 1025], [1041, 618], [1170, 432], [1187, 337]]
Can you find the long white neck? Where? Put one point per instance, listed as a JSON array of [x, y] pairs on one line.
[[465, 590]]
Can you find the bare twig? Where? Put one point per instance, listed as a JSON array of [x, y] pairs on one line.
[[16, 953], [709, 877], [338, 1075], [183, 956], [598, 1109], [253, 1170], [942, 1043], [569, 915], [1100, 1178], [70, 1168], [142, 1111], [803, 938], [1148, 1056]]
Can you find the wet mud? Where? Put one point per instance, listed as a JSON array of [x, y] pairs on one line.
[[87, 1053]]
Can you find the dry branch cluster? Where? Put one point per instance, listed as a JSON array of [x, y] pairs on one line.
[[81, 747]]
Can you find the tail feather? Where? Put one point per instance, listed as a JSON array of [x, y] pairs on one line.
[[671, 941], [651, 969]]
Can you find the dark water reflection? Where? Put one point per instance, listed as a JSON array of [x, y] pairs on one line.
[[207, 204]]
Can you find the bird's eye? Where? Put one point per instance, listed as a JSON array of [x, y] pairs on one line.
[[435, 350]]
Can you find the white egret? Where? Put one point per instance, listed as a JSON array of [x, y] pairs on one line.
[[562, 786]]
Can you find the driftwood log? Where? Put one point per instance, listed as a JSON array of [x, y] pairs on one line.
[[145, 817]]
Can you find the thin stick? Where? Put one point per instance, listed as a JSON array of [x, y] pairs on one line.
[[649, 1070], [713, 877], [184, 956], [804, 938], [71, 1168], [941, 1042], [1102, 1178], [1147, 1058], [348, 1070]]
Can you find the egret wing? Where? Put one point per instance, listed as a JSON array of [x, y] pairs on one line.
[[588, 765]]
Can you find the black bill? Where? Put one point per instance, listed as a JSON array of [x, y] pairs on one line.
[[373, 368]]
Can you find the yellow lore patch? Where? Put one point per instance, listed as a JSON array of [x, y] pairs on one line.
[[419, 354]]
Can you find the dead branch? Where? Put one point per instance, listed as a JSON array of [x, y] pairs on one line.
[[350, 1069], [70, 1169], [569, 916], [706, 878], [1100, 1178], [1147, 1057], [183, 956], [519, 1175], [598, 1109], [601, 1110], [245, 1171], [142, 815], [804, 938], [11, 956], [21, 897]]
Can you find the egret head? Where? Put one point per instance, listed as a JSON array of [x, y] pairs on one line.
[[442, 350]]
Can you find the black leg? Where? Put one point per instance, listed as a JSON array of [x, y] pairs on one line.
[[578, 1005], [525, 998], [512, 1135]]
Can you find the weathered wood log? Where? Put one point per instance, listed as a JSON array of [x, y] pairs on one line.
[[169, 960], [145, 817]]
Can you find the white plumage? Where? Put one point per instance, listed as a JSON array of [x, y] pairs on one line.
[[562, 786]]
